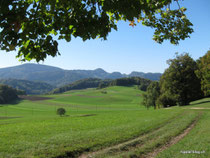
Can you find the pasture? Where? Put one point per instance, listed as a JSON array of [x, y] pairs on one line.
[[108, 122]]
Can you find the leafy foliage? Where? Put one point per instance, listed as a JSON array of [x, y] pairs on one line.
[[149, 75], [203, 73], [179, 81], [166, 100], [7, 94], [61, 111], [151, 95], [32, 26], [29, 87], [130, 81]]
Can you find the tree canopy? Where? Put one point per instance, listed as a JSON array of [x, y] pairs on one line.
[[7, 94], [203, 73], [151, 95], [179, 82], [61, 111], [34, 26]]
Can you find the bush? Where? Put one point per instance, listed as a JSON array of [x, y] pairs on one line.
[[166, 100], [143, 87], [61, 111]]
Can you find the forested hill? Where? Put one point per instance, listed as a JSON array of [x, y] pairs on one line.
[[99, 83], [30, 87], [80, 84], [59, 77]]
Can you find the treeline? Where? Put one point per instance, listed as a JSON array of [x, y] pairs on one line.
[[81, 84], [184, 81], [9, 94], [128, 81], [99, 83], [30, 87]]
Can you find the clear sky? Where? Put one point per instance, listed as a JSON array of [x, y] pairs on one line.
[[130, 49]]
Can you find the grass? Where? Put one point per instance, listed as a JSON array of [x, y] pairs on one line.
[[94, 120], [151, 139], [197, 142]]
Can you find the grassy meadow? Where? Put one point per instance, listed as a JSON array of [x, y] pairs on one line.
[[98, 119]]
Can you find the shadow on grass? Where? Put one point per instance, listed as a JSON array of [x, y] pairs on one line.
[[7, 117], [13, 102], [87, 115], [84, 115]]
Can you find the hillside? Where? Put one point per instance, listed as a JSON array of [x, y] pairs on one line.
[[99, 123], [99, 83], [30, 87], [80, 84], [59, 77]]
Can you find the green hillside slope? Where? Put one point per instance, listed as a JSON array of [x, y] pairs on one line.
[[95, 119]]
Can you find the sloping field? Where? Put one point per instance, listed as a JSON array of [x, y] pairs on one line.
[[99, 123]]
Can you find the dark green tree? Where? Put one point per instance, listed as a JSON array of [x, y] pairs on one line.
[[34, 26], [203, 73], [7, 94], [151, 95], [143, 86], [166, 100], [179, 82], [61, 111]]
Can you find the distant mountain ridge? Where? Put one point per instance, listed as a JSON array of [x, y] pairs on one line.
[[59, 77]]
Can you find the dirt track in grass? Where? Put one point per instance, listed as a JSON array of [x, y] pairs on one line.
[[172, 141], [139, 141]]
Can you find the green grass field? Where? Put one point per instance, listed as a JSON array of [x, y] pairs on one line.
[[96, 120]]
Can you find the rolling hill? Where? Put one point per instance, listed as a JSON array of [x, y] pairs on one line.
[[98, 124], [30, 87], [59, 77]]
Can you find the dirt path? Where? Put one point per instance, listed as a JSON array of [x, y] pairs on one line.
[[171, 142], [199, 108], [115, 148], [139, 142], [130, 144]]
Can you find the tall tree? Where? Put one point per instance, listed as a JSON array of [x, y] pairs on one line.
[[180, 80], [151, 95], [203, 73], [34, 26]]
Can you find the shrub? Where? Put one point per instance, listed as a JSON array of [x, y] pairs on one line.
[[166, 100], [61, 111]]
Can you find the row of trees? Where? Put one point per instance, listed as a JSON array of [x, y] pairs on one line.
[[184, 81], [99, 83], [142, 83]]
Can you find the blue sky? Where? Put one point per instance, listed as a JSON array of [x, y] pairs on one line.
[[130, 49]]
